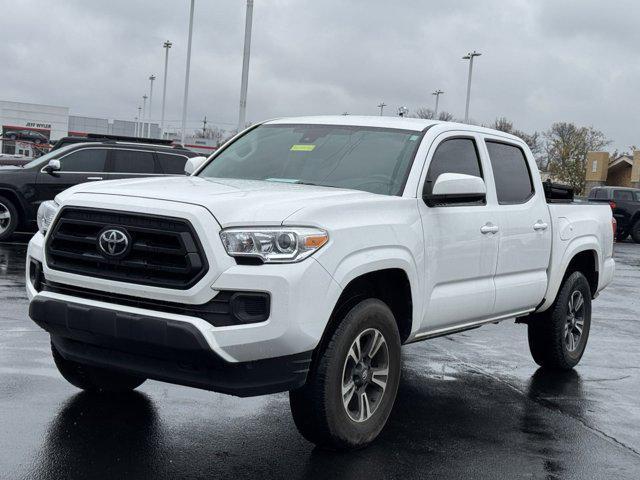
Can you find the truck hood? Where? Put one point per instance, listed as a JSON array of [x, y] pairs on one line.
[[232, 202]]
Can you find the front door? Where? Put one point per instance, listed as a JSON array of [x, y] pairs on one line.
[[461, 245], [79, 166]]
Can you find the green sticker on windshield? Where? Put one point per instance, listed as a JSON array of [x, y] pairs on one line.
[[413, 138], [302, 148]]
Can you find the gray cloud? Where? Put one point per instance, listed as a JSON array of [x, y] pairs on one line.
[[543, 60]]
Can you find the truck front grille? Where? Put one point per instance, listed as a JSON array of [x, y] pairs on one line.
[[126, 247]]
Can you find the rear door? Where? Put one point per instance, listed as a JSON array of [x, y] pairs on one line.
[[131, 163], [525, 228], [460, 247], [624, 205]]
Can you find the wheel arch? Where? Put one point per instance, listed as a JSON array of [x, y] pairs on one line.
[[581, 255]]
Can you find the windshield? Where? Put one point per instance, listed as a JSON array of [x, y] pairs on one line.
[[375, 160], [48, 156]]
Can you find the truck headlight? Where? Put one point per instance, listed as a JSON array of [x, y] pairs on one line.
[[273, 245], [46, 213]]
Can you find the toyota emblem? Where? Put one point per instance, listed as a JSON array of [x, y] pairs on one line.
[[113, 242]]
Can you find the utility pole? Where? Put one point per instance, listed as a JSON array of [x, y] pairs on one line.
[[151, 79], [186, 76], [381, 106], [204, 126], [244, 83], [437, 93], [469, 56], [166, 45], [144, 109]]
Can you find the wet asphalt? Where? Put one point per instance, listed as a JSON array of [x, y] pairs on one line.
[[472, 405]]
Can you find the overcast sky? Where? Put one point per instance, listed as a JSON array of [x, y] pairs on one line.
[[543, 60]]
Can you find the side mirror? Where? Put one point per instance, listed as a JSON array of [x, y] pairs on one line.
[[456, 188], [52, 166], [193, 164]]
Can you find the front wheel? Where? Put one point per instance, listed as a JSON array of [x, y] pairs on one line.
[[354, 380], [94, 379], [558, 337], [8, 218]]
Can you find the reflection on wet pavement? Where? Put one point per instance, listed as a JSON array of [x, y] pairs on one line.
[[473, 405]]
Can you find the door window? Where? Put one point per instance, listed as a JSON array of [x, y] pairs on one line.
[[511, 173], [623, 195], [457, 155], [85, 161], [171, 164], [132, 161]]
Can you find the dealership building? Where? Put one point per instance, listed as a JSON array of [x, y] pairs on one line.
[[28, 128]]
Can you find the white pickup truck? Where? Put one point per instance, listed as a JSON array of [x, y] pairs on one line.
[[300, 257]]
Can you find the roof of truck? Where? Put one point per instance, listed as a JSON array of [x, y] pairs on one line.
[[404, 123]]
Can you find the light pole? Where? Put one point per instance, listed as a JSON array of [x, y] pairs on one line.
[[138, 121], [167, 46], [437, 93], [144, 109], [242, 115], [469, 56], [135, 127], [381, 106], [186, 76], [151, 79]]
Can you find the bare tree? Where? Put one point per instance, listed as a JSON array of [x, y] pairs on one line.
[[533, 140], [213, 133], [566, 147], [429, 114]]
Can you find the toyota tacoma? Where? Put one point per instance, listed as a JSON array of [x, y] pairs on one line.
[[302, 254]]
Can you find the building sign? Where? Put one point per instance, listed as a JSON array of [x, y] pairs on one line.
[[39, 125]]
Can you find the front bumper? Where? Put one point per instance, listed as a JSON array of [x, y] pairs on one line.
[[160, 349]]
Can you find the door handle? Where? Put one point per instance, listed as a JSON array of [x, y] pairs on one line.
[[489, 228], [94, 178], [540, 225]]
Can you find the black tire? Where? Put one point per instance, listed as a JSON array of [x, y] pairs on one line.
[[7, 228], [318, 409], [622, 236], [548, 337], [93, 379], [635, 231]]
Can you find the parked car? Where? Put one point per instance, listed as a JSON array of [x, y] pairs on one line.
[[304, 253], [625, 204], [26, 135], [7, 159], [24, 188]]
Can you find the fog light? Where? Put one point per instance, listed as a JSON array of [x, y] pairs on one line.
[[35, 274], [250, 307]]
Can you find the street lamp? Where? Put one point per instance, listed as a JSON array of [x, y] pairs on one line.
[[167, 46], [437, 93], [244, 83], [137, 134], [469, 56], [151, 79], [144, 109], [381, 106], [186, 76]]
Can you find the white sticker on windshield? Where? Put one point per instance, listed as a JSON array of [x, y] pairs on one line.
[[413, 138]]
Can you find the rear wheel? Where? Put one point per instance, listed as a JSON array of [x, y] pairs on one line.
[[558, 337], [8, 218], [354, 380], [93, 379], [635, 231]]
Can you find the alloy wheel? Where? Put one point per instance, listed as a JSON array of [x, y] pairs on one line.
[[365, 375], [5, 218], [574, 325]]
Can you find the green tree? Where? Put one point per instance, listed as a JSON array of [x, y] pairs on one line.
[[566, 148]]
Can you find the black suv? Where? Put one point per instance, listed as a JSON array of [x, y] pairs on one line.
[[23, 188], [625, 203]]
